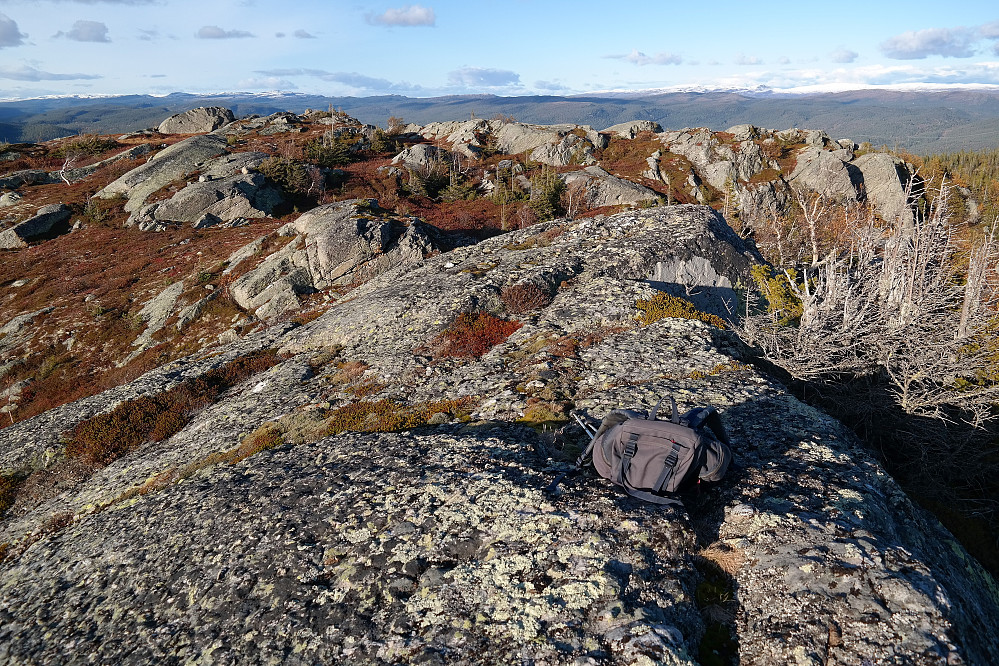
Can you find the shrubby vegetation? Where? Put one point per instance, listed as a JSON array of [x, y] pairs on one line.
[[892, 330]]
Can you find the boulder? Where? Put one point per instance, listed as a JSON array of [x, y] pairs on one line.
[[197, 121], [421, 156], [232, 164], [744, 132], [888, 186], [338, 244], [212, 201], [8, 199], [631, 129], [164, 168], [823, 172], [603, 189], [463, 136], [17, 179], [517, 138], [344, 246], [700, 148], [570, 149], [40, 224]]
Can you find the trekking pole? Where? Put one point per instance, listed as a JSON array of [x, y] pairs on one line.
[[586, 428]]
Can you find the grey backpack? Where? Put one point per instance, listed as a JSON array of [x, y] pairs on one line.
[[650, 458]]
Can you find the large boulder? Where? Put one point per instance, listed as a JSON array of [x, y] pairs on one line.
[[603, 189], [555, 145], [463, 136], [197, 121], [210, 202], [38, 225], [421, 157], [165, 167], [339, 244], [17, 179], [631, 129], [889, 184], [823, 172]]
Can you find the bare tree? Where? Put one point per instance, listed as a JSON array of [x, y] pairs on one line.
[[901, 304]]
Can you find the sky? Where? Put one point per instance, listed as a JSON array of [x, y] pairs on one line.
[[517, 47]]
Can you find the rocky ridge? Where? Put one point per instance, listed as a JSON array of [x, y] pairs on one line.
[[439, 545]]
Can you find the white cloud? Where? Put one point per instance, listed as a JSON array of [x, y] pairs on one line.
[[784, 60], [266, 83], [748, 60], [844, 55], [302, 34], [10, 34], [549, 86], [86, 31], [408, 16], [476, 77], [989, 30], [29, 73], [215, 32], [351, 79], [919, 44], [636, 57]]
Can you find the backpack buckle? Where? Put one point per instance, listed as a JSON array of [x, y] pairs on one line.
[[631, 446]]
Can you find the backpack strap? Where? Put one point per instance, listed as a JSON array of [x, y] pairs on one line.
[[669, 468], [655, 499], [655, 410]]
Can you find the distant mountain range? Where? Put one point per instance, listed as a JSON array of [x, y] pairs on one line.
[[921, 121]]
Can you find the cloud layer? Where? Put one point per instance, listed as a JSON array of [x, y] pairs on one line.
[[86, 31], [215, 32], [919, 44], [408, 16], [636, 57], [473, 77], [29, 73]]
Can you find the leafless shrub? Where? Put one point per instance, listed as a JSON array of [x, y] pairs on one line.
[[910, 303]]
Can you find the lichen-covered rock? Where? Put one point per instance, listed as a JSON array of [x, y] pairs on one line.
[[422, 156], [603, 189], [197, 121], [440, 544], [823, 172], [165, 167], [342, 243], [631, 129], [888, 185], [213, 201], [41, 223]]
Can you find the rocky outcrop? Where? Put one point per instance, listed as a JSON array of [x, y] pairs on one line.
[[555, 145], [463, 136], [338, 244], [422, 157], [630, 130], [38, 225], [823, 172], [17, 179], [888, 186], [210, 202], [603, 189], [440, 544], [166, 166], [197, 121]]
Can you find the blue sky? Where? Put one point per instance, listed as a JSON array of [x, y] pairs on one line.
[[441, 47]]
